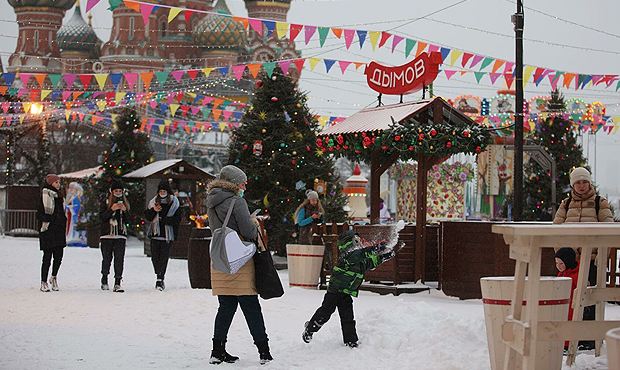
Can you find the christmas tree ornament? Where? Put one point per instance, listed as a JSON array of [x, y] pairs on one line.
[[274, 77], [433, 132], [262, 115], [258, 84], [257, 148], [274, 99], [263, 131]]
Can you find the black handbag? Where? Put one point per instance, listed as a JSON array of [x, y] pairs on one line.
[[268, 283]]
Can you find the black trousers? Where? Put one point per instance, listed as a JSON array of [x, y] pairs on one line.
[[344, 303], [55, 252], [251, 310], [113, 249], [160, 253]]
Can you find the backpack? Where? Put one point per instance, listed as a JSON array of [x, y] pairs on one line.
[[597, 203]]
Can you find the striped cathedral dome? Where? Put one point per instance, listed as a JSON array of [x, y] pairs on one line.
[[219, 32], [57, 4], [77, 35]]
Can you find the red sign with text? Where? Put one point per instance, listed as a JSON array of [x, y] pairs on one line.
[[404, 79]]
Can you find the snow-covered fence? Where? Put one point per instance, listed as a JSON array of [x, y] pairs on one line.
[[18, 222]]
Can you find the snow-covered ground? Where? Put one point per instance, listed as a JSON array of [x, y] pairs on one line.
[[82, 327]]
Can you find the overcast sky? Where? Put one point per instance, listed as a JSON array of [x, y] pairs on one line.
[[588, 31]]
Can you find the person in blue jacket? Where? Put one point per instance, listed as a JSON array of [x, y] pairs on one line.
[[308, 213]]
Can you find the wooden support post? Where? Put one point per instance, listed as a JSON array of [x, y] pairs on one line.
[[420, 218], [378, 165]]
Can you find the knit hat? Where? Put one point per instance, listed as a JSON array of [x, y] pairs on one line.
[[311, 194], [51, 178], [568, 256], [233, 174], [116, 185], [164, 185], [580, 173], [346, 240]]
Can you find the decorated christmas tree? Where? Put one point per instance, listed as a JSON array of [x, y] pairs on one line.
[[129, 150], [558, 136], [275, 146]]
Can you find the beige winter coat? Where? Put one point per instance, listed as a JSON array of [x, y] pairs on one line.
[[583, 209]]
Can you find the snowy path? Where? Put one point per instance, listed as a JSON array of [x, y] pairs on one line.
[[82, 327]]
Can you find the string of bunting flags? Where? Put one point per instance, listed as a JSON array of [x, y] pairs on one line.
[[379, 39]]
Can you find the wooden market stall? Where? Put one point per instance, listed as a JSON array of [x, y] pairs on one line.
[[185, 180]]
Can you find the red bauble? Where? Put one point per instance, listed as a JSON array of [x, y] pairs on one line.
[[258, 84], [397, 138], [319, 143], [384, 148], [466, 133], [345, 147], [449, 144], [420, 137], [293, 162], [274, 99], [245, 147], [340, 139], [310, 149], [478, 149], [411, 148], [433, 132]]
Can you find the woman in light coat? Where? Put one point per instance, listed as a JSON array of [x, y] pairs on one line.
[[239, 288]]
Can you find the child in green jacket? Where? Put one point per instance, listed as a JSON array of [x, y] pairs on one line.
[[347, 276]]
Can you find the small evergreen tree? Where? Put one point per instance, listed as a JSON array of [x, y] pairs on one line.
[[275, 146], [558, 137]]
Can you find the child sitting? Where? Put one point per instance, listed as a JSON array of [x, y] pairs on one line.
[[347, 276], [567, 265]]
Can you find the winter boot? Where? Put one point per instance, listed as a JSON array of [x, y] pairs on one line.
[[349, 334], [219, 354], [104, 282], [263, 352], [306, 336], [117, 286], [351, 344], [54, 283], [159, 285], [44, 287]]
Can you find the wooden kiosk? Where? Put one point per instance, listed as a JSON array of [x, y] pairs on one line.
[[185, 179], [428, 131]]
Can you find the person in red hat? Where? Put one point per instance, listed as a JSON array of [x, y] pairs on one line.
[[52, 237]]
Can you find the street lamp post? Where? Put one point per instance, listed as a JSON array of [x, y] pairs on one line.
[[517, 208]]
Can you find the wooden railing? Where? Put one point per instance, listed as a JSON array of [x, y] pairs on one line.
[[19, 222]]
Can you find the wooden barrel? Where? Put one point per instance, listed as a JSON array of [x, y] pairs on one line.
[[304, 265], [198, 258]]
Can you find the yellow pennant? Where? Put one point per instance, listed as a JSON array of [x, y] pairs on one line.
[[26, 106], [313, 63], [455, 55], [173, 109], [101, 79], [173, 13], [207, 71], [67, 114], [527, 73], [119, 96], [222, 126], [161, 129], [281, 29], [323, 120], [113, 116], [374, 37], [21, 118], [45, 93], [101, 105]]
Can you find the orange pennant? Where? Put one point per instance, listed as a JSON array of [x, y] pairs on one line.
[[216, 113], [217, 102], [147, 77], [40, 77], [242, 20], [421, 47], [337, 32], [132, 5], [254, 68]]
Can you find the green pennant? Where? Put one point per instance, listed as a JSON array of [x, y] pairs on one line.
[[479, 76], [54, 78], [486, 62], [409, 46], [114, 4], [161, 77], [323, 32], [618, 86], [86, 94], [269, 67], [205, 112], [13, 91]]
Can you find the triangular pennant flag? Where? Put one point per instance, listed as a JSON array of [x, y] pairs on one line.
[[178, 74], [192, 73], [54, 79], [444, 53], [466, 58], [497, 65], [40, 78], [256, 25], [295, 29], [361, 35], [223, 71], [44, 94], [596, 79], [568, 78], [337, 32], [299, 64], [585, 80], [238, 71], [173, 109], [85, 80], [509, 79], [323, 32], [174, 11], [617, 87], [373, 37], [3, 90], [384, 37], [358, 65], [66, 95], [115, 78], [90, 4], [329, 63], [455, 55], [35, 95], [308, 33], [343, 65], [162, 128], [244, 21], [195, 109], [494, 77], [421, 47], [269, 67], [348, 38], [395, 41], [101, 104], [207, 71], [147, 77], [508, 67], [119, 96], [409, 44], [449, 73], [270, 26], [69, 79], [254, 68], [486, 62], [132, 5], [432, 48], [25, 78], [146, 10], [226, 114], [26, 106], [101, 78], [476, 60], [554, 79], [479, 76], [527, 73], [284, 66], [216, 114], [281, 29], [161, 77], [313, 63]]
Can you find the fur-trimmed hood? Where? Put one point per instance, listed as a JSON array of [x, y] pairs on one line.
[[220, 190]]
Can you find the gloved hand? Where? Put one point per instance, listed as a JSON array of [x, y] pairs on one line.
[[387, 256]]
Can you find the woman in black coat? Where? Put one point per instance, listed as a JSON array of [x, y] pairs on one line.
[[52, 235]]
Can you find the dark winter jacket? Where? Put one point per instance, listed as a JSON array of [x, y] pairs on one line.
[[348, 274], [112, 229], [55, 234], [165, 219]]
